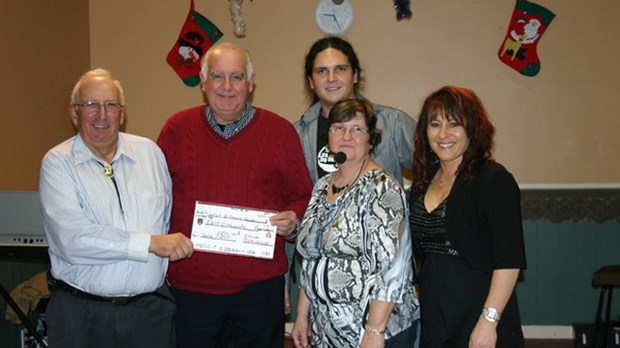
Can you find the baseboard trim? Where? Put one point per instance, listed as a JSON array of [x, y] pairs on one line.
[[529, 331], [548, 332]]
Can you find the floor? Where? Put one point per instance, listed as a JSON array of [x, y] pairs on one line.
[[540, 343], [531, 343]]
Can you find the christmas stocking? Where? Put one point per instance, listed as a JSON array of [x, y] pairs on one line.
[[529, 22], [197, 35]]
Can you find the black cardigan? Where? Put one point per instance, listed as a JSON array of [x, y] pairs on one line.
[[483, 219]]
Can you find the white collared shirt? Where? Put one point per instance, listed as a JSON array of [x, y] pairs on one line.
[[93, 245]]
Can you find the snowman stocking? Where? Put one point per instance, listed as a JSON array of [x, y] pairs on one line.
[[197, 35]]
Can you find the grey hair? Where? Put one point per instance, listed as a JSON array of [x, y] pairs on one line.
[[97, 73], [204, 66]]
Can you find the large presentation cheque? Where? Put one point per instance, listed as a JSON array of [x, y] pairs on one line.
[[233, 230]]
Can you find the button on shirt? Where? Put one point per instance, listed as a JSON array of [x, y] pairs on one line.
[[93, 244]]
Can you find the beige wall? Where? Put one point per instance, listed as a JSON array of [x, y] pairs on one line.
[[559, 127], [43, 50]]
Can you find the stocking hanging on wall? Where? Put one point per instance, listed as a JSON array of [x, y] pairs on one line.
[[197, 35], [529, 22]]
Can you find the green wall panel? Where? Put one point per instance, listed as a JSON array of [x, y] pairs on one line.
[[556, 288]]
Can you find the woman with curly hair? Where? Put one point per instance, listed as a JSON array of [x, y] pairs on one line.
[[465, 217]]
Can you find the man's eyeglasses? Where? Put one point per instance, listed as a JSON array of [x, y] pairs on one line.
[[92, 107], [341, 130]]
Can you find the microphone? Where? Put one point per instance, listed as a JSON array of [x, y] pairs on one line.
[[340, 157]]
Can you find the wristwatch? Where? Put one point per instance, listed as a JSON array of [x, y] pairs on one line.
[[295, 232], [491, 314]]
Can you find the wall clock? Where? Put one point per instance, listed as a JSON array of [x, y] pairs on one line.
[[334, 16]]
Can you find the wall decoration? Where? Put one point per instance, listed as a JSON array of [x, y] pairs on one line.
[[403, 9], [528, 24], [197, 35], [334, 17], [236, 18]]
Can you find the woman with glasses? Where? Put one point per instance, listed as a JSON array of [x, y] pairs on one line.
[[356, 277]]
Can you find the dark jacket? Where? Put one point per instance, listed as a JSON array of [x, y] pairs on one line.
[[484, 219]]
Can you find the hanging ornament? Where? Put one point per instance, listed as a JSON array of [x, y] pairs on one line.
[[403, 9], [237, 19]]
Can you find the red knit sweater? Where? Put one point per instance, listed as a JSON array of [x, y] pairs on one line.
[[261, 167]]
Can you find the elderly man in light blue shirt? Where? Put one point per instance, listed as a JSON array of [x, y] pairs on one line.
[[106, 201]]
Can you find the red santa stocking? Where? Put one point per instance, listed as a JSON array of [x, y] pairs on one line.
[[197, 35], [529, 22]]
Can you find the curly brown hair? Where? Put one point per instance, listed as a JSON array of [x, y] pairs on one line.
[[460, 105]]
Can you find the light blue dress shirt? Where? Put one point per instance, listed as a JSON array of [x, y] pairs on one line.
[[94, 245]]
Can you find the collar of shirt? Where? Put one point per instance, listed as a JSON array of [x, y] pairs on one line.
[[82, 154], [234, 127]]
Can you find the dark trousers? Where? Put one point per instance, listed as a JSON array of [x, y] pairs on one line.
[[254, 317], [408, 338], [77, 322]]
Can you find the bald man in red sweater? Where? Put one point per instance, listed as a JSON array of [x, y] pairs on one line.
[[230, 152]]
